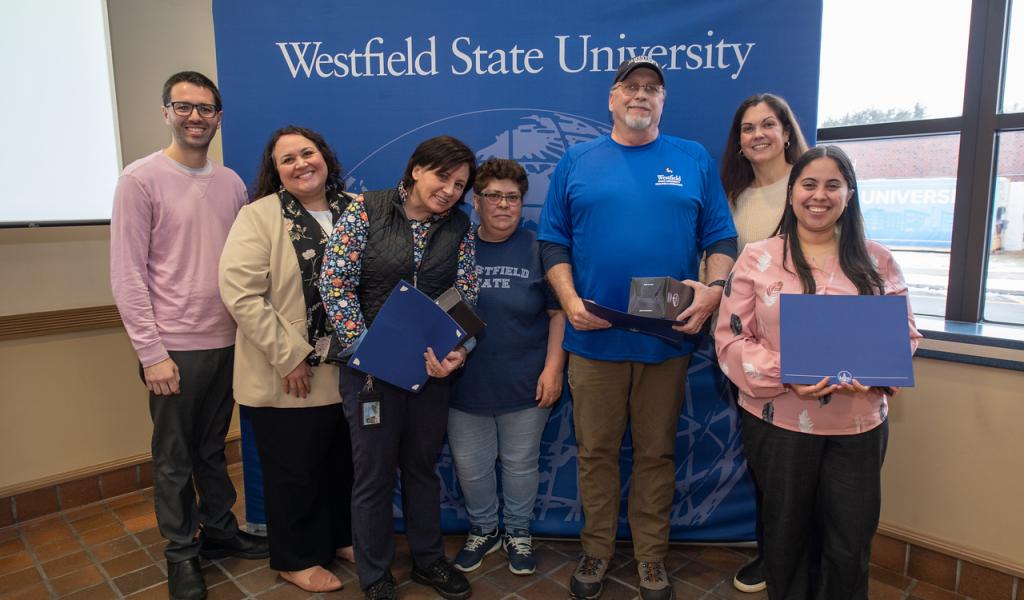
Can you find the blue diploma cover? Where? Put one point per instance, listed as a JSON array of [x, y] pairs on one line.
[[866, 338], [407, 324], [661, 328]]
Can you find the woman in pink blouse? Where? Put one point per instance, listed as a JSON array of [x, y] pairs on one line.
[[815, 450]]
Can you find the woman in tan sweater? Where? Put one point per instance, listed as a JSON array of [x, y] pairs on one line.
[[764, 142]]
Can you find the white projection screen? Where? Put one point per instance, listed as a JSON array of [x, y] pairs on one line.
[[60, 154]]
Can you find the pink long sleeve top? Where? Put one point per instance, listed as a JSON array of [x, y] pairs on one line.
[[747, 340], [167, 230]]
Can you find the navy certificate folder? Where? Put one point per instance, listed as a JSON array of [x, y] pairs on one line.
[[661, 328], [844, 338], [406, 325]]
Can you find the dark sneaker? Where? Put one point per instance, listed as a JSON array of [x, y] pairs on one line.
[[445, 580], [382, 589], [750, 577], [588, 580], [478, 545], [243, 545], [518, 545], [654, 584], [185, 580]]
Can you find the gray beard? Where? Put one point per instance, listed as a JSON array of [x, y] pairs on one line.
[[638, 123]]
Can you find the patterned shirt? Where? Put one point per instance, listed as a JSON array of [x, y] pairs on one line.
[[343, 265], [747, 339]]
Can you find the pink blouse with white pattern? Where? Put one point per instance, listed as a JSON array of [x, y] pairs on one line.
[[747, 340]]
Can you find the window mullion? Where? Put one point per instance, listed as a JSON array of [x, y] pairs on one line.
[[969, 246]]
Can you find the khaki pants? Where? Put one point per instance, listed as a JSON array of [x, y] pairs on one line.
[[605, 394]]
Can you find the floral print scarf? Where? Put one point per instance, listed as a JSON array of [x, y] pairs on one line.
[[309, 240]]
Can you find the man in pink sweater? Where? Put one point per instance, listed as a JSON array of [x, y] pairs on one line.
[[172, 212]]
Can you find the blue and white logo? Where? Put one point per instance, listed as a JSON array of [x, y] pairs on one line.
[[669, 178]]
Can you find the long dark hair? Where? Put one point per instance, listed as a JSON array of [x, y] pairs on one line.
[[442, 154], [854, 259], [268, 181], [736, 172]]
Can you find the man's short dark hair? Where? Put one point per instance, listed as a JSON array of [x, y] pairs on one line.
[[194, 78]]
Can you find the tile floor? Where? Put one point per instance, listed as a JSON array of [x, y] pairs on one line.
[[112, 550]]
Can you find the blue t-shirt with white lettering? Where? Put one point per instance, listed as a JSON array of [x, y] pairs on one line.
[[501, 373], [632, 211]]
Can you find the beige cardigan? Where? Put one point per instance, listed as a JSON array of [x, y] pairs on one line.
[[260, 284]]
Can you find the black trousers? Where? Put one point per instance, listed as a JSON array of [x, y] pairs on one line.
[[821, 496], [758, 520], [188, 452], [409, 437], [307, 483]]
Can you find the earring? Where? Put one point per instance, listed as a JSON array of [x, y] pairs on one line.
[[787, 144], [740, 153]]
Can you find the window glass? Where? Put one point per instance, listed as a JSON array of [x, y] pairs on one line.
[[885, 61], [1004, 279], [1013, 90], [907, 190]]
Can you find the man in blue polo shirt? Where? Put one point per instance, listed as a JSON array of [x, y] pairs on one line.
[[631, 204]]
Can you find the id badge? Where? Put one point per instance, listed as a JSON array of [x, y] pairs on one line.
[[369, 405]]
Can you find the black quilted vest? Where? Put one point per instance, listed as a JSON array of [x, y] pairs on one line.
[[388, 256]]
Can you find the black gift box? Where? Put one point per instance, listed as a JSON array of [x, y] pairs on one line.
[[660, 297], [460, 310]]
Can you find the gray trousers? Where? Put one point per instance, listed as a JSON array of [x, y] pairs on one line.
[[188, 453]]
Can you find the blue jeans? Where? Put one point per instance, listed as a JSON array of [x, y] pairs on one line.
[[476, 442]]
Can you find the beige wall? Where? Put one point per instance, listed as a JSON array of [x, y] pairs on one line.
[[953, 471], [73, 401]]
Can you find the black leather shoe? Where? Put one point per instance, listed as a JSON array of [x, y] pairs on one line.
[[243, 545], [382, 589], [185, 580], [446, 581]]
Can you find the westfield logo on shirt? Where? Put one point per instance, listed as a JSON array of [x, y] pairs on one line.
[[669, 178]]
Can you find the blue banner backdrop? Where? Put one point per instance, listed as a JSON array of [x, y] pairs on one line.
[[523, 80]]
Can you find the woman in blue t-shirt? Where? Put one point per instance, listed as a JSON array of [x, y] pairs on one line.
[[502, 399]]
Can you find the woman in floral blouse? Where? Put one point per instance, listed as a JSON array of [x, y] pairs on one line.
[[415, 232], [268, 279], [815, 450]]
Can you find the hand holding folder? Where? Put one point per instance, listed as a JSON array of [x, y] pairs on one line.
[[407, 324]]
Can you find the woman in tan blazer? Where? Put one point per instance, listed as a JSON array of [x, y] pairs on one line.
[[268, 281]]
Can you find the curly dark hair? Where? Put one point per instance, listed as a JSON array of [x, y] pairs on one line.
[[736, 172], [495, 169], [268, 181], [854, 258]]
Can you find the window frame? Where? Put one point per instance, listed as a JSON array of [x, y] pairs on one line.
[[978, 127]]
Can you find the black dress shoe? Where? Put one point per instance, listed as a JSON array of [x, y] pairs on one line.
[[185, 580], [446, 581], [243, 545], [382, 589]]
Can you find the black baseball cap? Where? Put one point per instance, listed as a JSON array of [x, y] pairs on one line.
[[637, 62]]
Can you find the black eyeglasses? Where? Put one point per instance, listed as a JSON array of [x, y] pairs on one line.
[[494, 198], [184, 109]]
